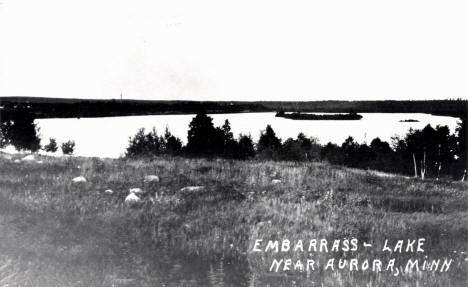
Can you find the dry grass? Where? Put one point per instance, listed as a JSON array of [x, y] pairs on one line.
[[55, 233]]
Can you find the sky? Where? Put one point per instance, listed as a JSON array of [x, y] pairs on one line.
[[234, 50]]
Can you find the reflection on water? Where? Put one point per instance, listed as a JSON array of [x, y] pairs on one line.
[[108, 137]]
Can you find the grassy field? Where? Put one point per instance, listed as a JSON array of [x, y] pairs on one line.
[[57, 233]]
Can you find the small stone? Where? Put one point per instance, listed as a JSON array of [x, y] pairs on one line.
[[151, 178], [136, 190], [108, 191], [28, 158], [79, 179], [192, 188], [276, 181]]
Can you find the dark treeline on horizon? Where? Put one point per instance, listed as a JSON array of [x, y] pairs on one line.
[[66, 108]]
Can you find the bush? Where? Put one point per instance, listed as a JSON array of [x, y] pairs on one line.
[[300, 149], [143, 144], [68, 147], [51, 146]]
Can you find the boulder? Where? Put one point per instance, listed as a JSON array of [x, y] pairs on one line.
[[28, 158], [276, 181], [79, 179], [151, 178], [132, 199]]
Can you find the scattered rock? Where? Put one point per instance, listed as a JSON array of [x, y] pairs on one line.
[[192, 188], [136, 190], [28, 158], [276, 181], [151, 178], [108, 191], [79, 179], [132, 199]]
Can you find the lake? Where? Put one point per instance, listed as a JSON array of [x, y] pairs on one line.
[[108, 136]]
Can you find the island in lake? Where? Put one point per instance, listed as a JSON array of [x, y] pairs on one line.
[[409, 121], [320, 117]]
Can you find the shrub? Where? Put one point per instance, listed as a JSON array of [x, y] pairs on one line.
[[51, 146], [68, 147], [143, 144]]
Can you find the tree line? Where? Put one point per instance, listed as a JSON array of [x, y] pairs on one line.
[[430, 152]]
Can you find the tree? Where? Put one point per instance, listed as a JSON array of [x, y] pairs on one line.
[[350, 150], [203, 137], [22, 132], [433, 150], [246, 148], [68, 147], [462, 149], [5, 126], [230, 144], [172, 144], [51, 146], [145, 144], [269, 144], [293, 150], [332, 153]]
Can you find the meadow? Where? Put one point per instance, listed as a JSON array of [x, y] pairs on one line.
[[57, 233]]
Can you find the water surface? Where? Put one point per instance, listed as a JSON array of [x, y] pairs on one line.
[[108, 137]]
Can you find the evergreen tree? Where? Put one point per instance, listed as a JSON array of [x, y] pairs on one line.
[[203, 137], [269, 144], [23, 132]]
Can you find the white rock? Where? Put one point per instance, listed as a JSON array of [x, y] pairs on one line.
[[40, 161], [79, 179], [151, 178], [192, 188], [132, 198], [108, 191], [276, 181], [28, 158], [136, 190], [16, 160]]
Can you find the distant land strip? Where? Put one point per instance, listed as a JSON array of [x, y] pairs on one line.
[[76, 108], [319, 117]]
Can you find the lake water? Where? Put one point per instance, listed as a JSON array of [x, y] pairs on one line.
[[108, 137]]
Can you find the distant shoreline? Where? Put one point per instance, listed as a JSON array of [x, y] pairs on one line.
[[84, 108]]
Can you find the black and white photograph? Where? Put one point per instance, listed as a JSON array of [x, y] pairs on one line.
[[233, 143]]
